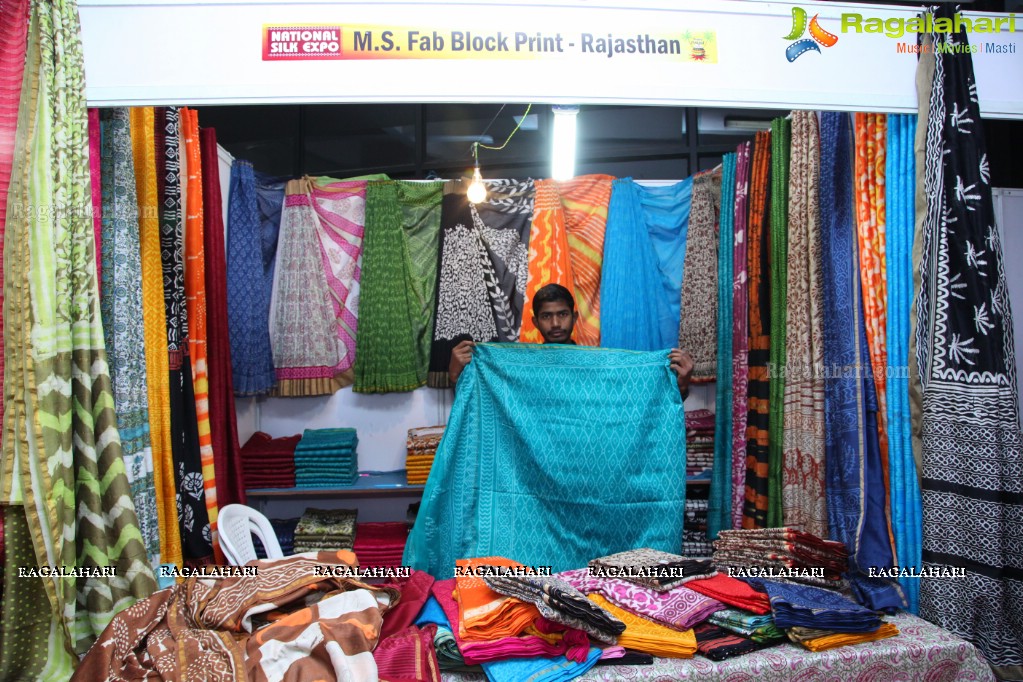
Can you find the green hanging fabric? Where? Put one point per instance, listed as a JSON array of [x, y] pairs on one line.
[[781, 131], [398, 286], [62, 451]]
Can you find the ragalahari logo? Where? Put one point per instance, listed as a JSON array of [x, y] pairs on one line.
[[817, 35]]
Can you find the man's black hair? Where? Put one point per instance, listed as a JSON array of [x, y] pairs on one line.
[[550, 293]]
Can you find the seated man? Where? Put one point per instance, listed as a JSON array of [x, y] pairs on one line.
[[554, 315]]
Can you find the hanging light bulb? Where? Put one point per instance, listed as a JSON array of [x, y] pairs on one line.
[[477, 191]]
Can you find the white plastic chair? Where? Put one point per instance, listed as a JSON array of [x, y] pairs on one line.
[[236, 524]]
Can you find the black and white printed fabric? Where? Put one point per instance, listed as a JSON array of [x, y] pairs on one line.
[[972, 462], [481, 282]]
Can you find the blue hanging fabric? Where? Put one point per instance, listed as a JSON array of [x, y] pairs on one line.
[[641, 277], [907, 521]]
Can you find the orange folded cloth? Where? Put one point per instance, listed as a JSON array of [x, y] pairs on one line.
[[812, 640], [647, 636], [483, 614]]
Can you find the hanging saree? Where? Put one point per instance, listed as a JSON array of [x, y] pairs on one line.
[[223, 423], [869, 167], [154, 320], [804, 502], [61, 462], [195, 307], [549, 258], [481, 280], [249, 281], [972, 453], [399, 283], [719, 510], [781, 130], [504, 464], [754, 509], [855, 487], [193, 518], [903, 481], [644, 250], [315, 300], [123, 328], [585, 201], [698, 330], [740, 332]]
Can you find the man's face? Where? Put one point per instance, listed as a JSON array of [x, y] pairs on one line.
[[555, 321]]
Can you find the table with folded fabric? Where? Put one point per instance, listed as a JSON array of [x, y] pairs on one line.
[[920, 651]]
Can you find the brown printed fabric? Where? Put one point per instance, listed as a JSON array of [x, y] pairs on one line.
[[660, 571], [290, 619]]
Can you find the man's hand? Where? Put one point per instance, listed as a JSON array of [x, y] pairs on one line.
[[681, 363], [460, 357]]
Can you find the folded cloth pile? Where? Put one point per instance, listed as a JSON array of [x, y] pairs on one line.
[[326, 458], [559, 602], [679, 608], [420, 449], [758, 627], [484, 614], [269, 462], [380, 544], [717, 643], [647, 636], [535, 640], [785, 548], [694, 529], [325, 530], [822, 640], [699, 443], [813, 607], [658, 570], [733, 592]]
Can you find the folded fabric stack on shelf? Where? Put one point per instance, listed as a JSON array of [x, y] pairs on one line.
[[421, 447], [327, 458], [380, 544], [269, 462], [699, 443], [694, 528], [325, 530], [783, 548]]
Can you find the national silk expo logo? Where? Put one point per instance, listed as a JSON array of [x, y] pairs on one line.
[[818, 36]]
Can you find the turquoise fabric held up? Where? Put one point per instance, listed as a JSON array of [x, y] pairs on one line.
[[554, 455]]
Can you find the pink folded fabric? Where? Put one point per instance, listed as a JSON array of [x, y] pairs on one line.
[[679, 608], [408, 655]]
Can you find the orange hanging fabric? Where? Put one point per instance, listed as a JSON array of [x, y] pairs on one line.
[[195, 296], [549, 257]]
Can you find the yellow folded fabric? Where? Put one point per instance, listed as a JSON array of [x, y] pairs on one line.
[[837, 639], [647, 636]]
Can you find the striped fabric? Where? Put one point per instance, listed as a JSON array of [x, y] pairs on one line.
[[754, 510], [195, 296], [550, 260], [585, 200], [154, 321]]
